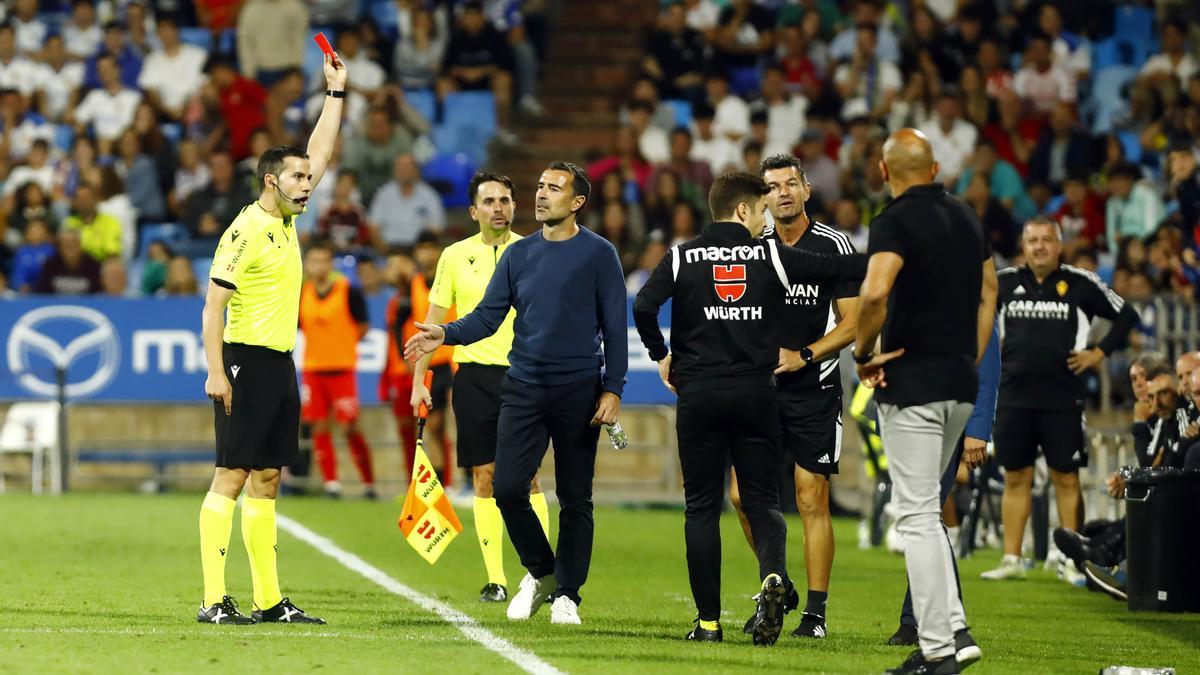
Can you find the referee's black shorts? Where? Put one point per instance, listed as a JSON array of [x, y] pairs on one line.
[[1020, 432], [812, 432], [477, 411], [263, 430]]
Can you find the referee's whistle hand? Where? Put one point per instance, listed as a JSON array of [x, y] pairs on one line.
[[430, 337], [218, 389]]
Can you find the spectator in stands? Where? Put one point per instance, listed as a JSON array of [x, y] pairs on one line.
[[847, 44], [997, 78], [478, 57], [1041, 82], [702, 16], [81, 34], [1002, 180], [978, 107], [209, 210], [732, 115], [154, 267], [848, 218], [652, 254], [612, 188], [998, 226], [370, 279], [1134, 209], [785, 112], [112, 200], [215, 15], [615, 228], [190, 176], [344, 222], [1063, 149], [663, 114], [951, 137], [868, 190], [676, 56], [32, 203], [406, 206], [31, 256], [866, 76], [285, 112], [37, 169], [114, 279], [172, 74], [129, 62], [1081, 215], [100, 232], [240, 100], [684, 224], [367, 78], [16, 71], [822, 172], [1069, 50], [695, 176], [1184, 183], [652, 141], [140, 175], [30, 30], [745, 33], [56, 79], [108, 110], [625, 159], [69, 271], [155, 144], [419, 52], [1175, 61], [800, 71], [914, 106], [70, 171], [929, 49], [854, 147], [181, 278], [713, 149], [1013, 135], [666, 192], [371, 151], [141, 29], [21, 127], [271, 38]]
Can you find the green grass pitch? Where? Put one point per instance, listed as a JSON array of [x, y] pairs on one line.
[[110, 583]]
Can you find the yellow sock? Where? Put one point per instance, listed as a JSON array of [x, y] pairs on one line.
[[489, 527], [538, 501], [216, 524], [710, 625], [258, 533]]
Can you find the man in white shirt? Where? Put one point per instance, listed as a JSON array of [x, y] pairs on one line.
[[31, 32], [785, 113], [732, 114], [172, 74], [1175, 59], [82, 35], [21, 127], [652, 141], [951, 137], [1041, 82], [110, 109], [406, 206], [56, 79], [16, 72], [710, 147], [867, 76], [36, 170]]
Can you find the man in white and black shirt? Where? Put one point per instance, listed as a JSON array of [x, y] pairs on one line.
[[1046, 310], [818, 322]]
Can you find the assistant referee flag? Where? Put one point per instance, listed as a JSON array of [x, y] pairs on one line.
[[427, 520]]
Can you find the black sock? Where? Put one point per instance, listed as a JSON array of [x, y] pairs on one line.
[[816, 603]]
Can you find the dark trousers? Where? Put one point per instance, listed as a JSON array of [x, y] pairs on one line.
[[531, 416], [714, 425], [907, 617]]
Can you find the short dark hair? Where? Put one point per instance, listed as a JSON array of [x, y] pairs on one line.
[[1176, 23], [681, 131], [1148, 361], [1157, 370], [781, 162], [41, 143], [643, 106], [320, 244], [271, 161], [482, 177], [428, 238], [113, 25], [579, 178], [732, 189], [1127, 169]]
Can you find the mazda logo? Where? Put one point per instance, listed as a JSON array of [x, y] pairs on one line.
[[28, 337]]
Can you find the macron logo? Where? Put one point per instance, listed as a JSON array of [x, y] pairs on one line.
[[235, 370]]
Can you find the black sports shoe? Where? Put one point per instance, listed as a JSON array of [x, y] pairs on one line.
[[699, 634], [793, 601], [966, 652], [284, 612], [811, 626], [905, 636], [1072, 544], [769, 618], [370, 494], [223, 612], [493, 593], [1105, 580], [916, 664]]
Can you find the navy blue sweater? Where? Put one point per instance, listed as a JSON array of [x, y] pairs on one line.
[[568, 295]]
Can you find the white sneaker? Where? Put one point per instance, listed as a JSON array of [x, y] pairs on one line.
[[1010, 567], [1071, 575], [530, 597], [564, 611], [1054, 561], [893, 540]]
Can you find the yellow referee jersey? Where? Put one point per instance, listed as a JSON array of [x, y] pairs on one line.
[[463, 273], [259, 257]]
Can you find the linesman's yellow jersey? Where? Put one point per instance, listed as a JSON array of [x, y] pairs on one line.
[[463, 273], [259, 258]]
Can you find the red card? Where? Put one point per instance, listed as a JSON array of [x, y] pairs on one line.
[[323, 43]]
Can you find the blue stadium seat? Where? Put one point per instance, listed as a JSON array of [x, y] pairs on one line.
[[386, 18], [227, 41], [683, 111], [469, 123], [347, 265], [64, 135], [173, 132], [201, 37], [1054, 204], [1132, 146], [1107, 101], [173, 234], [451, 176], [424, 101], [743, 82], [1135, 23], [201, 267]]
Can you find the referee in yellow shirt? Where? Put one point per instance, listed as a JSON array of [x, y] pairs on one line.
[[462, 277], [257, 274]]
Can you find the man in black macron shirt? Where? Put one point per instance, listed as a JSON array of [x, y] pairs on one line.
[[930, 294]]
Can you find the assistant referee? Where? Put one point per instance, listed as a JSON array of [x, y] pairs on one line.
[[463, 273], [257, 275]]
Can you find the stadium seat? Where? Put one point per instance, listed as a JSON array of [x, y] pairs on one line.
[[743, 82], [227, 41], [683, 111], [201, 37], [173, 234], [64, 136], [423, 101], [1134, 23], [1107, 100], [468, 125], [201, 267], [172, 132], [31, 427], [386, 17], [347, 265], [450, 175], [1132, 145]]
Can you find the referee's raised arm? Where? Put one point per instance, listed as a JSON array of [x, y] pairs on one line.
[[324, 134]]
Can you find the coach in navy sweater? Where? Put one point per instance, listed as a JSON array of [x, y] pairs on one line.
[[566, 284]]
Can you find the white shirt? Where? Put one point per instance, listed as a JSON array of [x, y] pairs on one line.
[[887, 78], [654, 145], [174, 79], [1044, 90], [21, 138], [718, 152], [57, 86], [1161, 63], [732, 117], [27, 174], [365, 74], [1076, 61], [951, 149], [30, 35], [121, 207], [703, 16], [18, 74], [108, 114], [785, 124], [82, 42]]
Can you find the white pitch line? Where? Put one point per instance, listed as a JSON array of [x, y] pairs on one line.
[[527, 661]]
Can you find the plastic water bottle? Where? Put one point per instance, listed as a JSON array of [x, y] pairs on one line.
[[616, 436]]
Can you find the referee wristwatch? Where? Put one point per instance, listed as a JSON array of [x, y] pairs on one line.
[[336, 93], [864, 359], [807, 355]]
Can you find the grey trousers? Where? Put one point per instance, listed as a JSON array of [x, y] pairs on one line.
[[919, 441]]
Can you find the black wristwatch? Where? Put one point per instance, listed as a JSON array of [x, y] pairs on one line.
[[864, 359], [338, 93], [807, 355]]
